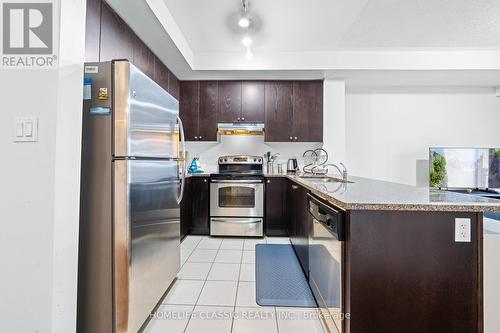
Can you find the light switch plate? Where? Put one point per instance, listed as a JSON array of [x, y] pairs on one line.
[[462, 230], [26, 129]]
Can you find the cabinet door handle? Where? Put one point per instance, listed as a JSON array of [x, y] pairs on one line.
[[268, 181], [204, 180], [243, 119], [238, 118], [294, 187], [291, 138], [202, 137], [196, 138]]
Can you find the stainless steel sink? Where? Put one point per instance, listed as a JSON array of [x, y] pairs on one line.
[[324, 179]]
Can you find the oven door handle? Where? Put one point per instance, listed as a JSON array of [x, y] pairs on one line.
[[239, 181], [238, 221]]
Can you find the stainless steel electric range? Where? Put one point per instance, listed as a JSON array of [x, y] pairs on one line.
[[237, 197]]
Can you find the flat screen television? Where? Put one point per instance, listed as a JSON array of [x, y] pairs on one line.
[[464, 168]]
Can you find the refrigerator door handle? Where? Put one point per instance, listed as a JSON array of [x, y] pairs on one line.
[[183, 159]]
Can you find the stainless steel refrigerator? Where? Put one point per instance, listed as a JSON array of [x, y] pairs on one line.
[[132, 183]]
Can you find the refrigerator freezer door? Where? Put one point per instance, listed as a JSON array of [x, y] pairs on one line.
[[145, 115], [147, 237]]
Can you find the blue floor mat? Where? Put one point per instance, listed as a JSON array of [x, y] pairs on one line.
[[279, 279]]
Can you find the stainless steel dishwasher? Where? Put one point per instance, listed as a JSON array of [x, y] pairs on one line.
[[326, 252]]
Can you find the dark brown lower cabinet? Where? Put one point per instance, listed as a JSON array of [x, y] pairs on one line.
[[275, 220], [405, 273], [186, 209], [298, 222], [195, 207]]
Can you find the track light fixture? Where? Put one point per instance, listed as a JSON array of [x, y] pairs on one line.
[[246, 41], [245, 22]]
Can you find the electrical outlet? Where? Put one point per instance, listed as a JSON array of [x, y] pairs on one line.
[[462, 230]]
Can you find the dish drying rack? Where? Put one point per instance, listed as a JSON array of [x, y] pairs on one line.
[[315, 161]]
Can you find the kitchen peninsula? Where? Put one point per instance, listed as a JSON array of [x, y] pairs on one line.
[[403, 269]]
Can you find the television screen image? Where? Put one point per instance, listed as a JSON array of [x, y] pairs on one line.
[[464, 168], [494, 172]]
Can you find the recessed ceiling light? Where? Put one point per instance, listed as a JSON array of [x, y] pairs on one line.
[[244, 22], [246, 41]]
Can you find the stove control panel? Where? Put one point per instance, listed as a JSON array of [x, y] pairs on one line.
[[240, 159]]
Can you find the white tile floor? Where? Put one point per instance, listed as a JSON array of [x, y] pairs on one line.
[[215, 293]]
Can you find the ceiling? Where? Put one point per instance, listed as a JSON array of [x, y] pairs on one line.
[[365, 42], [285, 25], [426, 24], [329, 25]]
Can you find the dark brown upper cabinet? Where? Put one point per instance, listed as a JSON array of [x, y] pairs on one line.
[[198, 110], [291, 110], [294, 111], [229, 110], [252, 101], [143, 59], [161, 73], [241, 101], [174, 87], [93, 31], [307, 111], [108, 37], [278, 111], [117, 39], [316, 114], [207, 116], [166, 79], [189, 108]]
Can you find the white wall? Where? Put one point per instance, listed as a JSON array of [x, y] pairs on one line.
[[388, 133], [67, 166], [491, 248], [334, 120], [40, 188], [208, 152]]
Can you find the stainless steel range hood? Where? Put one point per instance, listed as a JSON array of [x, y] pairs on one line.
[[240, 129]]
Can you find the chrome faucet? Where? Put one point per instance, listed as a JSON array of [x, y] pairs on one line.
[[342, 172]]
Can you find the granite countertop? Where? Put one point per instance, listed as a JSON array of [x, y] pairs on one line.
[[370, 194], [201, 174]]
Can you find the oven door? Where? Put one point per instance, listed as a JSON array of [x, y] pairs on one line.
[[237, 198]]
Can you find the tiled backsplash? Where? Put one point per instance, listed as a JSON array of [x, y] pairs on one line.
[[208, 152]]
